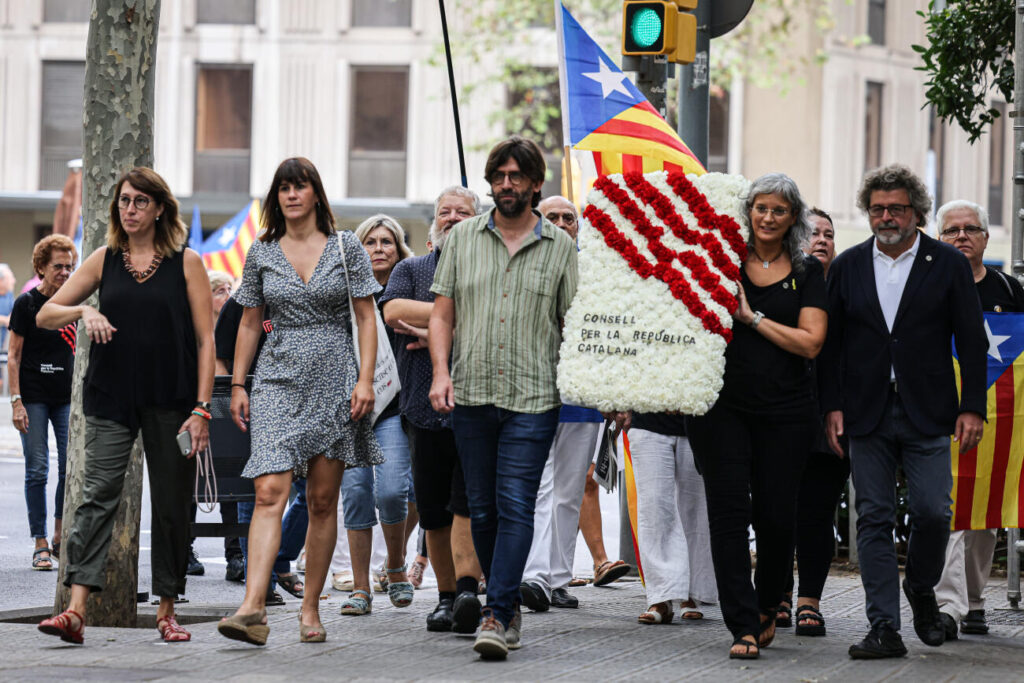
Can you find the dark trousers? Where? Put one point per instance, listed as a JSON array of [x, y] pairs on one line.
[[503, 455], [926, 465], [821, 486], [749, 462], [108, 446], [436, 477]]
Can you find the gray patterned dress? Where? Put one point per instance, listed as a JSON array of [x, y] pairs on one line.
[[306, 372]]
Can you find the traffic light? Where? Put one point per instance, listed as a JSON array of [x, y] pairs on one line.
[[658, 27]]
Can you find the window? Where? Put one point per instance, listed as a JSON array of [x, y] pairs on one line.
[[873, 126], [226, 12], [61, 130], [996, 165], [876, 21], [718, 132], [377, 154], [533, 109], [223, 129], [64, 11], [382, 13], [936, 154]]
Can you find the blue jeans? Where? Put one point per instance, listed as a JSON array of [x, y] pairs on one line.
[[293, 530], [503, 455], [926, 465], [385, 486], [37, 461]]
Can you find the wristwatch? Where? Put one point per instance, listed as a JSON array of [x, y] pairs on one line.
[[205, 405], [15, 398], [758, 316]]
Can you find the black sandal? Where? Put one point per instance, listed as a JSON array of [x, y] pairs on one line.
[[766, 625], [787, 620], [753, 651], [806, 612], [289, 583]]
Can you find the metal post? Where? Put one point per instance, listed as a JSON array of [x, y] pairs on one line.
[[651, 79], [852, 501], [1017, 233], [692, 123], [627, 553]]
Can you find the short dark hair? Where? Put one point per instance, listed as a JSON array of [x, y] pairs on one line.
[[896, 177], [293, 170], [526, 153], [815, 211]]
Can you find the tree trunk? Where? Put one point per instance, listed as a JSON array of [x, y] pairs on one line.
[[117, 136]]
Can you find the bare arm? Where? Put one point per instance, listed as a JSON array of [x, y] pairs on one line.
[[806, 339], [65, 306], [18, 414], [249, 330], [410, 311], [363, 395], [441, 328]]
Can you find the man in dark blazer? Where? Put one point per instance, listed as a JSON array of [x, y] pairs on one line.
[[887, 381]]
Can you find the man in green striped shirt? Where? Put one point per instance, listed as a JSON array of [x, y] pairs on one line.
[[502, 286]]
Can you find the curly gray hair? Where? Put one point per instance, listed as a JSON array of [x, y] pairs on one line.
[[896, 177], [800, 232]]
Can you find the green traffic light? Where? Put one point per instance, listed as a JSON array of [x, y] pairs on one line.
[[645, 28]]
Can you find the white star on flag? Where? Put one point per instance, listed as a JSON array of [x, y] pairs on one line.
[[228, 236], [994, 340], [610, 81]]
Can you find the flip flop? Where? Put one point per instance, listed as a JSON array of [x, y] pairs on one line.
[[609, 571]]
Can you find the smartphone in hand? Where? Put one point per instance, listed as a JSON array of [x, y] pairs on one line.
[[184, 442]]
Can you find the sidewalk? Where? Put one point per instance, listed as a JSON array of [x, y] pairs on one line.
[[600, 641]]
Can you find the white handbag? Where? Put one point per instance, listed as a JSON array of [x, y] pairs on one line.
[[385, 371]]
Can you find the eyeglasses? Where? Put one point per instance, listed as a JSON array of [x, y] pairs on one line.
[[569, 218], [62, 266], [515, 177], [895, 210], [778, 211], [140, 201], [969, 230]]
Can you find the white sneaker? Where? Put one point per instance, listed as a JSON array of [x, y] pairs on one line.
[[342, 581], [490, 640], [300, 564]]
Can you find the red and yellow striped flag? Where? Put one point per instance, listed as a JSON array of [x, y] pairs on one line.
[[987, 482], [225, 249]]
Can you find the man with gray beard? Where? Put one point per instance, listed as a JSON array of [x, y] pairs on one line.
[[437, 474]]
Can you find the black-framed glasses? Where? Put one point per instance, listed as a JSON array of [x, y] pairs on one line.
[[567, 217], [895, 210], [969, 230], [141, 201], [514, 177], [778, 211]]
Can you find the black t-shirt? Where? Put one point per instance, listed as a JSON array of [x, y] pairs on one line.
[[1000, 293], [660, 423], [47, 356], [225, 333], [760, 376]]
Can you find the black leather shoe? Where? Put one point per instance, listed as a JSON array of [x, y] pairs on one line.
[[926, 616], [881, 642], [441, 618], [465, 612], [195, 567], [974, 622], [235, 571], [948, 625], [562, 598], [534, 597]]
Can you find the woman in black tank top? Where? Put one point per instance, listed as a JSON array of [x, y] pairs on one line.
[[150, 371]]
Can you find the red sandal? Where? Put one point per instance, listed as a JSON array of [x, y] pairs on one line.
[[171, 631], [60, 625]]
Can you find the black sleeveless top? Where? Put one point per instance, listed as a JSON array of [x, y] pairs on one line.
[[151, 360]]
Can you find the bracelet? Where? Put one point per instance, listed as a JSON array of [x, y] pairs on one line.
[[199, 412], [236, 384]]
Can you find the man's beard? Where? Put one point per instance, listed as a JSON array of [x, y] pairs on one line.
[[890, 239], [441, 239], [516, 208]]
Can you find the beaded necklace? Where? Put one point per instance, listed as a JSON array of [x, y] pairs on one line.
[[140, 276]]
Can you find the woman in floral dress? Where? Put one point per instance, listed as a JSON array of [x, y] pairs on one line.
[[309, 396]]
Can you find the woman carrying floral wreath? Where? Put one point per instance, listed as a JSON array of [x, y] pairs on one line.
[[754, 441]]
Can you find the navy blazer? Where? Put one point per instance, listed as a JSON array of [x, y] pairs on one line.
[[939, 303]]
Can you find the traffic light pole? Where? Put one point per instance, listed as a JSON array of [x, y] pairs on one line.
[[651, 80], [692, 122]]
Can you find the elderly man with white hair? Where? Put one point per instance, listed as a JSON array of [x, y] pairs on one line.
[[964, 225]]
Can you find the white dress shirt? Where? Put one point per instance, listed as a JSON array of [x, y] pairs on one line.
[[890, 280]]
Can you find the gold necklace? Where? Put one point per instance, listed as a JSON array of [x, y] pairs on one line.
[[765, 262], [140, 276]]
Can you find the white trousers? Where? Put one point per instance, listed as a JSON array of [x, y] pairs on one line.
[[672, 519], [968, 566], [556, 518], [341, 561]]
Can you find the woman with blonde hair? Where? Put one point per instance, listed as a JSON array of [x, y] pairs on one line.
[[382, 490], [150, 371]]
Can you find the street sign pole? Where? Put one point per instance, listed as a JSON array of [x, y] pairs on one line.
[[692, 120]]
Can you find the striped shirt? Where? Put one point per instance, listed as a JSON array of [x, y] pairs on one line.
[[508, 312]]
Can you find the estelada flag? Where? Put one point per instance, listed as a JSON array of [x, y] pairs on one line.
[[608, 116], [226, 248], [987, 481]]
